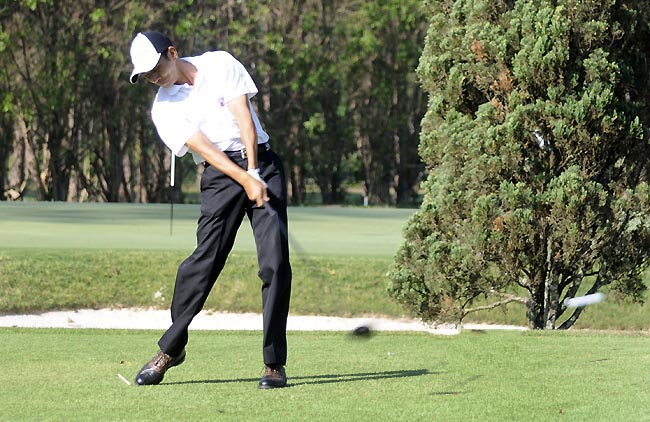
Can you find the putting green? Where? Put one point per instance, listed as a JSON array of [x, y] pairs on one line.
[[318, 230]]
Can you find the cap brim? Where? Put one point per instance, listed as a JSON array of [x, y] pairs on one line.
[[144, 56], [144, 67]]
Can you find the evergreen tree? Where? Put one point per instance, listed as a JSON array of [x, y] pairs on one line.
[[537, 149]]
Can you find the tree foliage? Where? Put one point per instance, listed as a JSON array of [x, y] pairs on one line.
[[73, 128], [537, 144], [78, 135]]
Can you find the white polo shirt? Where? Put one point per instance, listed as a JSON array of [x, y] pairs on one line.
[[181, 110]]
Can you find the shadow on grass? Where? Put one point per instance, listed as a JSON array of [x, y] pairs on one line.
[[325, 378], [463, 383]]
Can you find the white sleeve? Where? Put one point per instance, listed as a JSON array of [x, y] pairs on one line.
[[174, 131], [237, 80]]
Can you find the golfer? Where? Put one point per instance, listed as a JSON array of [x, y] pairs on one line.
[[203, 106]]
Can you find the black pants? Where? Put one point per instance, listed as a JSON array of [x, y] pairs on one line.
[[223, 205]]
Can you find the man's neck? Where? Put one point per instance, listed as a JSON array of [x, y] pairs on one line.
[[186, 71]]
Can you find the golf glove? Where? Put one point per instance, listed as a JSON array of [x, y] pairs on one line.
[[256, 175]]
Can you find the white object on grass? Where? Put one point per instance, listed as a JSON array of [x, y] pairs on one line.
[[581, 301], [124, 379]]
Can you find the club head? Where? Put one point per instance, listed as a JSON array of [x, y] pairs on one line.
[[362, 332]]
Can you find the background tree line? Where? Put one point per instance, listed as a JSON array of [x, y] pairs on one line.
[[338, 94]]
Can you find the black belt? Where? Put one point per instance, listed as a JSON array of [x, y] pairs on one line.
[[261, 148], [242, 152]]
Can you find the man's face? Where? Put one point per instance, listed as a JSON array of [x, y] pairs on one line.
[[164, 73]]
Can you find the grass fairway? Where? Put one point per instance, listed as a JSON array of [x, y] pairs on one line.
[[314, 231], [66, 256], [68, 375]]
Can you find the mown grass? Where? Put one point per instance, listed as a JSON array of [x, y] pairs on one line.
[[92, 226], [67, 256], [72, 375], [33, 280]]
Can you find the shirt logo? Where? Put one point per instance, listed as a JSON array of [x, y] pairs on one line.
[[222, 102]]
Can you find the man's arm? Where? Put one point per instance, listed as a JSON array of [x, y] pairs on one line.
[[239, 108], [200, 144]]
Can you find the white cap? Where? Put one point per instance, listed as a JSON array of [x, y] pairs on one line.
[[146, 49]]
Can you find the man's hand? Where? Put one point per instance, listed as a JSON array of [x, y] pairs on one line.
[[255, 188], [256, 175]]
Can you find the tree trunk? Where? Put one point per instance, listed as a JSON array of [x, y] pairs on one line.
[[536, 305], [6, 142]]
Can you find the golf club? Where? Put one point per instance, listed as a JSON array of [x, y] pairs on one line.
[[171, 194], [285, 230]]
